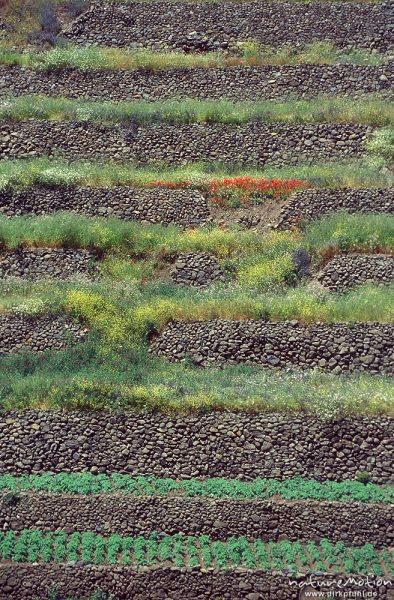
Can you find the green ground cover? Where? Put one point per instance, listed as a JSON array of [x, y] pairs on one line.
[[112, 369], [339, 232], [290, 489], [88, 378], [246, 54], [33, 545], [370, 171], [371, 110]]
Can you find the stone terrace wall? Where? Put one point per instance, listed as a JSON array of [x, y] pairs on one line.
[[337, 347], [25, 581], [47, 332], [344, 272], [217, 517], [308, 205], [203, 445], [182, 207], [38, 263], [196, 269], [235, 83], [178, 207], [271, 23], [256, 143]]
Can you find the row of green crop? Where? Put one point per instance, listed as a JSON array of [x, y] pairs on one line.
[[290, 489], [194, 551], [249, 54], [371, 110]]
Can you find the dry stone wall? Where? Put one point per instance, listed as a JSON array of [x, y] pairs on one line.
[[183, 207], [337, 347], [253, 144], [158, 205], [212, 26], [344, 272], [46, 332], [235, 83], [236, 445], [217, 517], [40, 263], [22, 582], [197, 270], [309, 205]]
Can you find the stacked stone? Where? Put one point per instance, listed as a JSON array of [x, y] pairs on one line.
[[345, 272], [235, 83], [37, 333], [241, 445], [40, 263], [338, 347], [277, 144], [265, 519], [310, 205], [196, 269], [150, 205], [210, 25]]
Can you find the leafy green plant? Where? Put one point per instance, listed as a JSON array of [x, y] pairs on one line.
[[359, 490], [183, 550]]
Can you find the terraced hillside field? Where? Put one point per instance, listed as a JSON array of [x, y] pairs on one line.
[[196, 300]]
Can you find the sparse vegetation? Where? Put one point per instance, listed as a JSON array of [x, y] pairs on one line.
[[367, 172], [369, 111], [246, 54]]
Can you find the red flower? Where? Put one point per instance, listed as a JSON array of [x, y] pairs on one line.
[[240, 191]]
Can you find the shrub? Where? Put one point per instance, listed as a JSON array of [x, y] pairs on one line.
[[382, 144], [363, 477]]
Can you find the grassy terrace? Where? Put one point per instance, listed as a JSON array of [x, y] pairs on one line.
[[368, 111], [33, 545], [237, 248], [370, 171], [290, 489], [247, 54], [112, 370]]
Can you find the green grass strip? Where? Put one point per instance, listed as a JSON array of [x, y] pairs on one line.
[[339, 232], [290, 489], [361, 173], [33, 545], [369, 111], [248, 53]]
